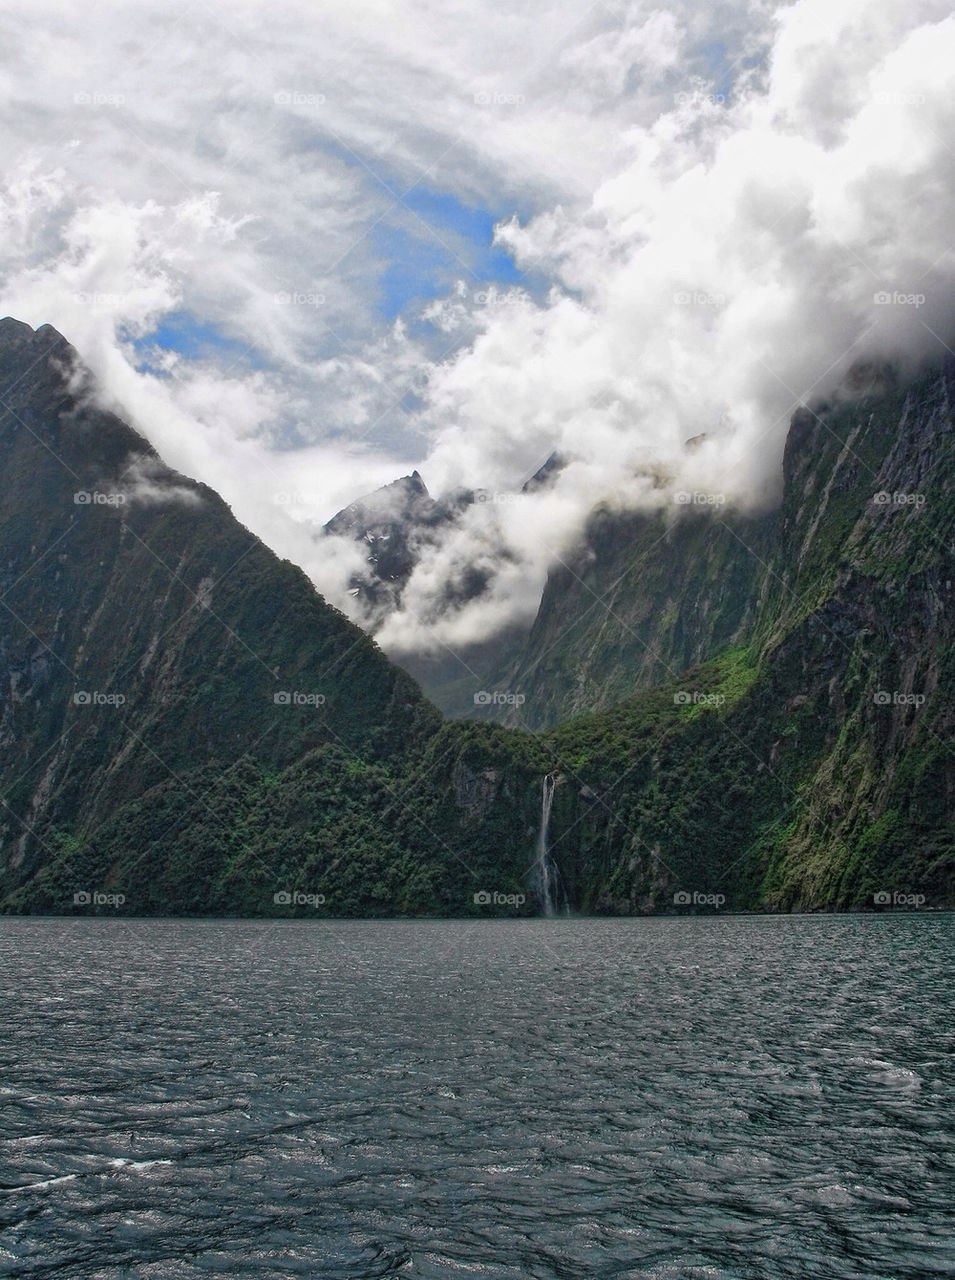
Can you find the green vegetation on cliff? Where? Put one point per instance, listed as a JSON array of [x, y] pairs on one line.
[[186, 725]]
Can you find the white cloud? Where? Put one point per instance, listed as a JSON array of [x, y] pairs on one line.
[[721, 278], [706, 201]]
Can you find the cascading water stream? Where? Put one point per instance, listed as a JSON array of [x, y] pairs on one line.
[[546, 872]]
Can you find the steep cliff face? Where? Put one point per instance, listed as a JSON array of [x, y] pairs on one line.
[[146, 636], [649, 595], [859, 623], [645, 597], [185, 723], [812, 766], [808, 762], [394, 527]]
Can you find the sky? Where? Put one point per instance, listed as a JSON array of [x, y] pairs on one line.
[[307, 248]]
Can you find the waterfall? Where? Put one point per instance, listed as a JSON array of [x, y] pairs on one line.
[[545, 870]]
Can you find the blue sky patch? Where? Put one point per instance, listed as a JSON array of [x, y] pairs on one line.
[[183, 333], [430, 241]]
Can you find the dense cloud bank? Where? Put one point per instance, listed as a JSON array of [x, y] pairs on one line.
[[713, 216]]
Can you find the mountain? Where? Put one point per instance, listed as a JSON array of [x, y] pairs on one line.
[[645, 596], [394, 525], [810, 764], [186, 725], [182, 718], [790, 741]]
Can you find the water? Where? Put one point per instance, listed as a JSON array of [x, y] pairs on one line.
[[738, 1097], [545, 871]]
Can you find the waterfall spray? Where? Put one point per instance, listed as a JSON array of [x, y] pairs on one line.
[[545, 871]]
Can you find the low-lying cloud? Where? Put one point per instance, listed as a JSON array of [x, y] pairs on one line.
[[707, 240]]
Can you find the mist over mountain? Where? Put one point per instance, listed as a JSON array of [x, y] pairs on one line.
[[749, 255], [745, 202], [188, 727], [154, 652], [395, 527], [477, 638]]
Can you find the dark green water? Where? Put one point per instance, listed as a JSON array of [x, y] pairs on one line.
[[738, 1097]]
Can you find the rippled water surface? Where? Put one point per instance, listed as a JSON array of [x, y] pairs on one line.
[[739, 1097]]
